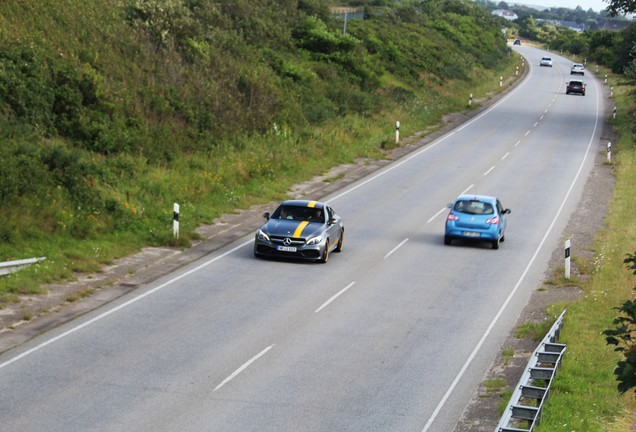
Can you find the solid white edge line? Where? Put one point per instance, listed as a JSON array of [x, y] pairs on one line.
[[396, 248], [121, 306], [335, 296], [242, 368], [473, 354]]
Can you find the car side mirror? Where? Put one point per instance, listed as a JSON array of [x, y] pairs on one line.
[[266, 215], [331, 221], [507, 211], [449, 205]]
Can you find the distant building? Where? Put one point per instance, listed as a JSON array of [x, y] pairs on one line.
[[572, 26], [613, 24], [509, 15]]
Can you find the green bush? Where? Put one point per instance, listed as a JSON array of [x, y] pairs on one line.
[[623, 338]]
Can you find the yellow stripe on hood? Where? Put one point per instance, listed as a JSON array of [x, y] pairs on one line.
[[300, 228]]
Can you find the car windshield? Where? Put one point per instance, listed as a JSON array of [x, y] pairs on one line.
[[474, 207], [298, 213]]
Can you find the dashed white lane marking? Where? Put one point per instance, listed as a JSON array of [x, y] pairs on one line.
[[396, 248], [242, 368], [335, 296], [436, 214]]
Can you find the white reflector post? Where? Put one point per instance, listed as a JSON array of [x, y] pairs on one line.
[[175, 221], [567, 259], [397, 132]]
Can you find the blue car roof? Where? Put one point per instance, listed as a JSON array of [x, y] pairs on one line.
[[484, 198]]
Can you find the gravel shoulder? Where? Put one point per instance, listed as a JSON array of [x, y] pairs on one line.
[[35, 315]]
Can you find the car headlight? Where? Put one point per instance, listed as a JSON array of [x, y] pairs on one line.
[[314, 240], [261, 235]]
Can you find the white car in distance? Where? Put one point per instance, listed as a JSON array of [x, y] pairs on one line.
[[546, 61]]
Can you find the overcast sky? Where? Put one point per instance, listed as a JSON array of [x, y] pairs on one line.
[[595, 5]]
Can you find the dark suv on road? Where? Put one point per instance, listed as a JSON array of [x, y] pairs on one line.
[[575, 86]]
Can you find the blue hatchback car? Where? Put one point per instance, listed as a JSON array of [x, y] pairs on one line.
[[476, 217]]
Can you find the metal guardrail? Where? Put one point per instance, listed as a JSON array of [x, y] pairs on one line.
[[13, 266], [523, 412]]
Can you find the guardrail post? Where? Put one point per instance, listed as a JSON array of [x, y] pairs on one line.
[[567, 259], [175, 221]]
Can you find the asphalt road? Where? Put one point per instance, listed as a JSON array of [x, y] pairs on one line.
[[392, 334]]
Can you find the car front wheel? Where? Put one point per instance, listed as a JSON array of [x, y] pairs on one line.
[[340, 242], [325, 255]]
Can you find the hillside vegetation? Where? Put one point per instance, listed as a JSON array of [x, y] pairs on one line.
[[111, 111]]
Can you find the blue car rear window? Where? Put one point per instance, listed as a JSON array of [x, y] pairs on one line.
[[474, 207]]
